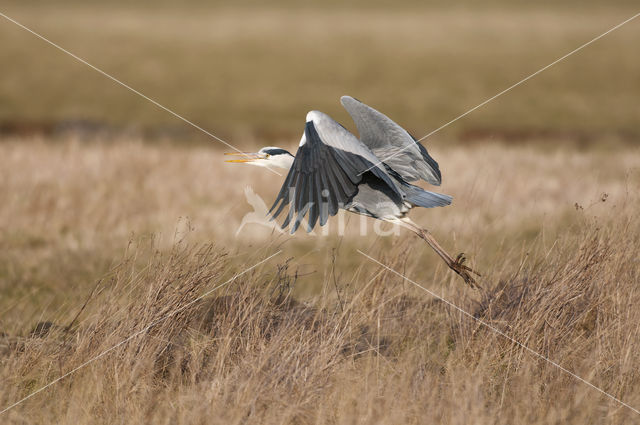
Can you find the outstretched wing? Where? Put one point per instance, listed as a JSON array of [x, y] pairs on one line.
[[326, 172], [392, 143]]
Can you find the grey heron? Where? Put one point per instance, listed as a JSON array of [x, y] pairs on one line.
[[333, 169]]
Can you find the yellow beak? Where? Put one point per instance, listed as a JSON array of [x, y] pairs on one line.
[[247, 156]]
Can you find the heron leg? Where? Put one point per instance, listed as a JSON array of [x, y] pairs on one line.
[[457, 264]]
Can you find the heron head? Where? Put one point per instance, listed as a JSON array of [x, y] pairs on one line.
[[266, 157]]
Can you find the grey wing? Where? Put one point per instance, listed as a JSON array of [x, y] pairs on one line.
[[329, 165], [392, 143]]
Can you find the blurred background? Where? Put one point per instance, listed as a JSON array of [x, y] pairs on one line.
[[251, 71], [86, 165]]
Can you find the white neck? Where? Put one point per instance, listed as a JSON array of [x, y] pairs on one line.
[[280, 161]]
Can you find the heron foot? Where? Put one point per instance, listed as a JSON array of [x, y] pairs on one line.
[[464, 271]]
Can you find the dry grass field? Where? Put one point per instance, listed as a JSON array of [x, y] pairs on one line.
[[116, 219], [93, 242]]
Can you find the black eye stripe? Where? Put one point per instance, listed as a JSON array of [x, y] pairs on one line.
[[276, 152]]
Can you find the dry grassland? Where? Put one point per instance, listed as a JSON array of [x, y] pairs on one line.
[[115, 218], [92, 242]]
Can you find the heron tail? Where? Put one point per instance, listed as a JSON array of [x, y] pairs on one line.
[[423, 198]]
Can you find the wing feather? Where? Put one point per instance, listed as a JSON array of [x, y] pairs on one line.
[[314, 213], [329, 205], [392, 144]]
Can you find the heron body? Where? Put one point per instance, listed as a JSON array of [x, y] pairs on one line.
[[372, 176]]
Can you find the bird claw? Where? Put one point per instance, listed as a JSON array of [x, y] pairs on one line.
[[464, 271]]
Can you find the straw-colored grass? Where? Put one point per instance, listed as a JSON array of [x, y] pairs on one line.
[[115, 219], [94, 251]]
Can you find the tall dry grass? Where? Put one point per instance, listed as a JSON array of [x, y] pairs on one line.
[[107, 245], [383, 353], [318, 334]]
